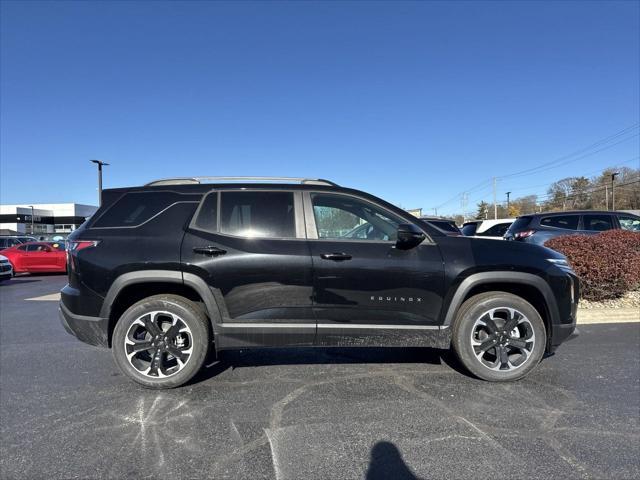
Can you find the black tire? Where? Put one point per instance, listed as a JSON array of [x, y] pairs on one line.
[[530, 334], [198, 336]]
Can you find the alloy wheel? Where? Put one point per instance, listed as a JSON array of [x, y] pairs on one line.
[[158, 344], [502, 339]]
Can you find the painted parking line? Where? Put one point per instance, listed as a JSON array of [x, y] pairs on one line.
[[52, 297]]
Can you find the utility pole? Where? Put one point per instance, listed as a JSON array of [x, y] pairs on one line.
[[495, 204], [613, 190], [100, 164], [508, 193], [606, 197]]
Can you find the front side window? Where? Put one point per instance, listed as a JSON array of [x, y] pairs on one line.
[[342, 217], [257, 214], [597, 223], [629, 223], [568, 222]]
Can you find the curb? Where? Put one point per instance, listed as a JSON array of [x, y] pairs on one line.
[[608, 315]]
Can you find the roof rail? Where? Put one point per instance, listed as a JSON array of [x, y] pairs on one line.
[[196, 180]]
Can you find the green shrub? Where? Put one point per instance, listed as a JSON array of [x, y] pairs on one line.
[[608, 264]]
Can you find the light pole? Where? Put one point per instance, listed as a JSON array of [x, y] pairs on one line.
[[508, 193], [31, 206], [100, 163], [613, 190]]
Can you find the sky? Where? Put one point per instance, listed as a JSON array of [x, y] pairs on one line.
[[415, 102]]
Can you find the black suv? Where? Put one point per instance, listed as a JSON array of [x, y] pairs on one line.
[[541, 227], [163, 272]]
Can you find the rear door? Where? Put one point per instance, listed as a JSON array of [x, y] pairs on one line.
[[367, 292], [250, 247]]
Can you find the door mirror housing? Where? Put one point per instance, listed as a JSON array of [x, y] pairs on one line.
[[409, 236]]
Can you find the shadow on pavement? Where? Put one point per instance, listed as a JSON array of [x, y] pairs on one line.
[[325, 355], [386, 462]]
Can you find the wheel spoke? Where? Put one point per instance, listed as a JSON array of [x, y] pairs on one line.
[[173, 331], [151, 327], [176, 352], [489, 323], [519, 343], [513, 321], [155, 367], [503, 357], [141, 346], [486, 345]]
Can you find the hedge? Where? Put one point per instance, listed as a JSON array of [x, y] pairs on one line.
[[608, 264]]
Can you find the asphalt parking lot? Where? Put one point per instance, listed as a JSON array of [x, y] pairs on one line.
[[67, 412]]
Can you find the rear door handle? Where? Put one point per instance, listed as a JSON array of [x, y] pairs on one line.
[[209, 250], [336, 257]]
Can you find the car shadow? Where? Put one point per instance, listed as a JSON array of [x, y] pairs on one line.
[[13, 281], [231, 359]]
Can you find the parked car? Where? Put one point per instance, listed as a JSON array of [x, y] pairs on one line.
[[539, 228], [164, 272], [6, 270], [447, 226], [494, 229], [35, 257], [7, 241]]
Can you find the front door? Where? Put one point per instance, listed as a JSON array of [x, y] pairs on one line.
[[251, 248], [366, 291]]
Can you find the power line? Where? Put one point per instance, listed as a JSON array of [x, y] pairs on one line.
[[564, 160]]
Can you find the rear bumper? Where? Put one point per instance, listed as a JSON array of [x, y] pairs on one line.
[[91, 330]]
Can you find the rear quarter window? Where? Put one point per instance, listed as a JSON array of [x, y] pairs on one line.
[[136, 208]]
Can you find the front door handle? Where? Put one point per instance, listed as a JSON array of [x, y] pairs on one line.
[[209, 250], [336, 257]]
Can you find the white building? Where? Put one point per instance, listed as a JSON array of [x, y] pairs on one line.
[[46, 218]]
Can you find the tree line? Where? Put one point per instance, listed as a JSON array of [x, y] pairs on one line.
[[574, 193]]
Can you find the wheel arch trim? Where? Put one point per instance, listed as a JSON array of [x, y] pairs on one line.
[[163, 276], [487, 278]]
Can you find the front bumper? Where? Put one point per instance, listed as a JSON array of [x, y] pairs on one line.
[[91, 330]]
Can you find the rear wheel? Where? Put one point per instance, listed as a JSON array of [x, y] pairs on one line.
[[161, 341], [499, 336]]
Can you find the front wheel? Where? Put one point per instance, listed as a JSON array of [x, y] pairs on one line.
[[161, 341], [499, 336]]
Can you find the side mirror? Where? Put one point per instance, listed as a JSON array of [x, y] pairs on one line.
[[409, 236]]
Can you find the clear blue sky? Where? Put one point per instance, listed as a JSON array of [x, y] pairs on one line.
[[414, 102]]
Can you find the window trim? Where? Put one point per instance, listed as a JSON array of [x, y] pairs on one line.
[[298, 214], [312, 231]]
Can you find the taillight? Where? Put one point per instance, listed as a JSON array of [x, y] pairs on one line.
[[523, 234], [82, 244]]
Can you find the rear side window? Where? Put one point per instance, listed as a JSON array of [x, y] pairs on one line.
[[257, 214], [628, 222], [133, 209], [597, 223], [469, 229], [568, 222]]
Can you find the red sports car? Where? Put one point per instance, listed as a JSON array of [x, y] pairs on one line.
[[36, 257]]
